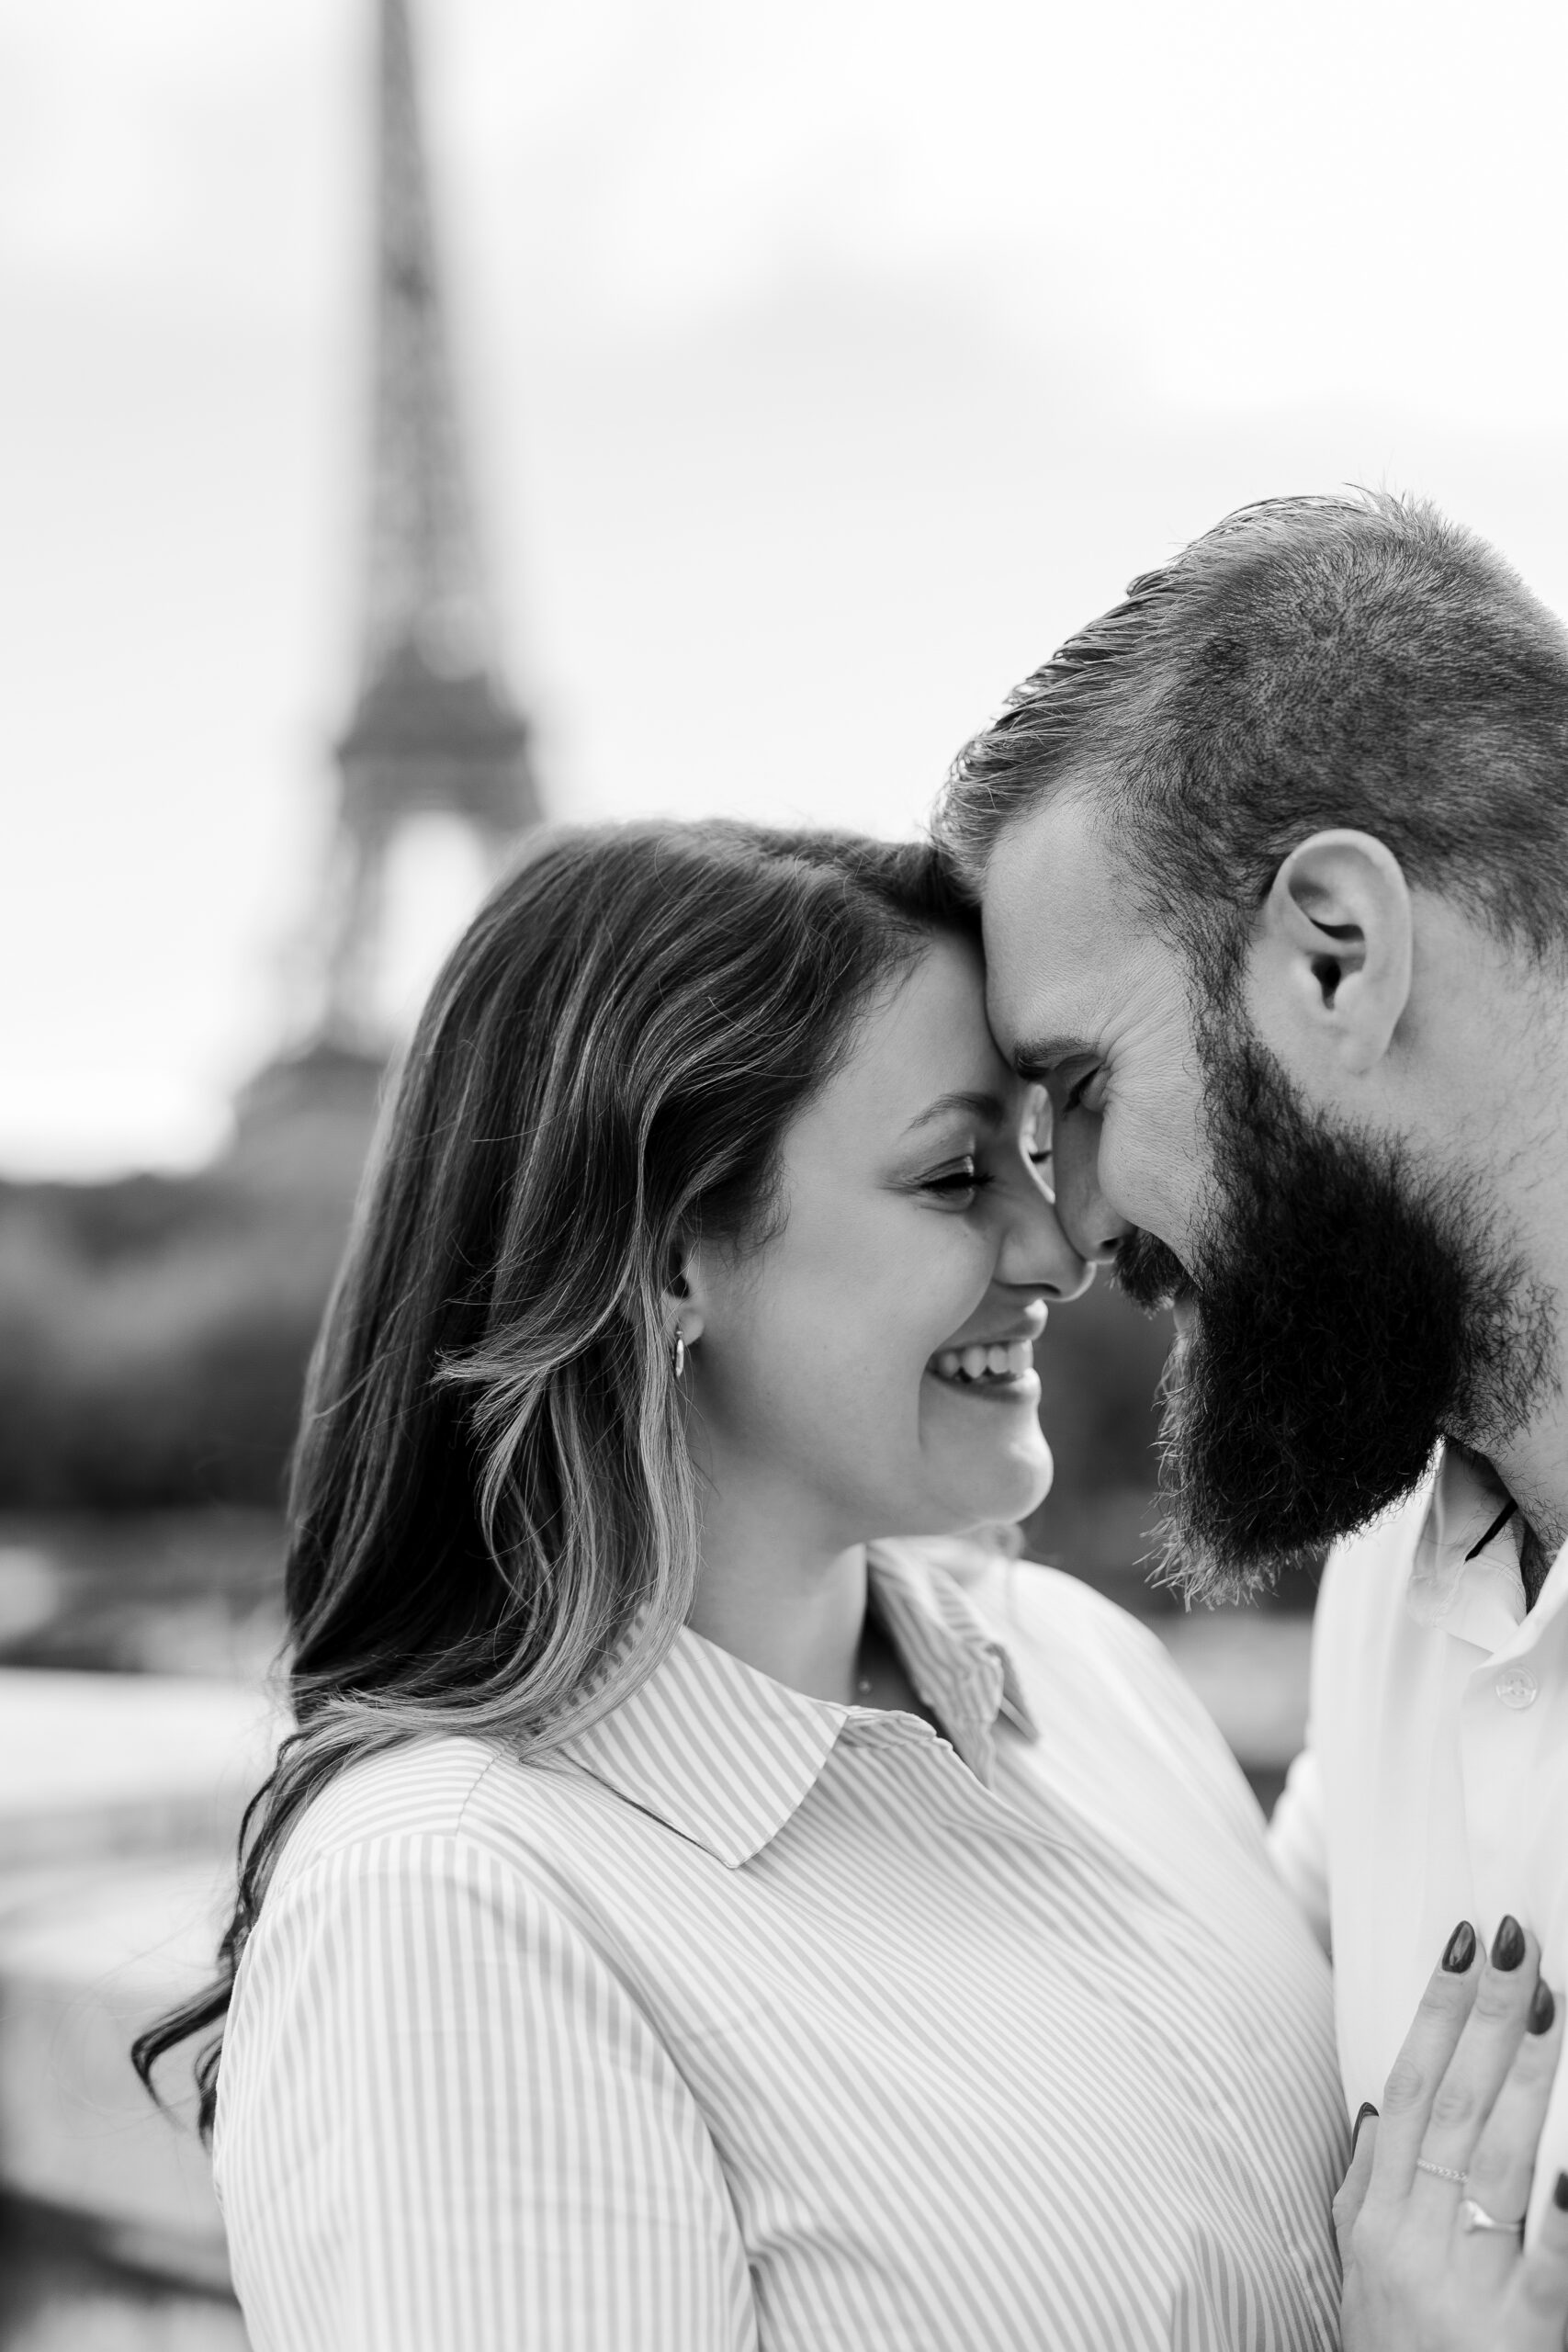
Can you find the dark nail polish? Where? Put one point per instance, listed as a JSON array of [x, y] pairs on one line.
[[1363, 2112], [1543, 2010], [1560, 2194], [1461, 1950], [1508, 1944]]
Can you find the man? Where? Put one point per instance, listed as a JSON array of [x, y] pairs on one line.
[[1273, 861]]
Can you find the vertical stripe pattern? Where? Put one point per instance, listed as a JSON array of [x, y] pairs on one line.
[[747, 2023]]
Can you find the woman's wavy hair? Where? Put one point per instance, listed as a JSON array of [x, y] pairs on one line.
[[493, 1516]]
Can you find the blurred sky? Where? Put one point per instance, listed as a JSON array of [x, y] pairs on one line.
[[822, 367]]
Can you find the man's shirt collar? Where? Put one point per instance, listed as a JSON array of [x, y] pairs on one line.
[[725, 1755], [1465, 1574]]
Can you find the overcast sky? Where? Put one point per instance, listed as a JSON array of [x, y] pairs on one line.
[[822, 366]]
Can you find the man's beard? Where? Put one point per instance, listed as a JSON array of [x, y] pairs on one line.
[[1349, 1310]]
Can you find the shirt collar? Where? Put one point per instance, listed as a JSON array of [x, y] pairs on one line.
[[724, 1756], [957, 1667], [1465, 1573]]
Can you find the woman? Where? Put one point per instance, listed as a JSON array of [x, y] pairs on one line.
[[702, 1905]]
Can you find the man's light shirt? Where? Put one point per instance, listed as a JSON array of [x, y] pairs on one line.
[[1434, 1783]]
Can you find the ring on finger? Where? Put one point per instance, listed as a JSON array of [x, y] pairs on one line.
[[1441, 2172], [1472, 2216]]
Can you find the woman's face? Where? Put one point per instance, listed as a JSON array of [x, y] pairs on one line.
[[869, 1366]]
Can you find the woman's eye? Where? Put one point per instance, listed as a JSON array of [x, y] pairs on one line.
[[951, 1180]]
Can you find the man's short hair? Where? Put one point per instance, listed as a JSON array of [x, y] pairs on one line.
[[1350, 661]]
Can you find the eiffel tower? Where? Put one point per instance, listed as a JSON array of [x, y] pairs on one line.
[[434, 729]]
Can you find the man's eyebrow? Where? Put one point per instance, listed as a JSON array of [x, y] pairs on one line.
[[988, 1109], [1036, 1058]]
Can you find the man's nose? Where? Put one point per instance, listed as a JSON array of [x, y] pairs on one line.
[[1095, 1229]]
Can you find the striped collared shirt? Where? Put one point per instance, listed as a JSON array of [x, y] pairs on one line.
[[749, 2023]]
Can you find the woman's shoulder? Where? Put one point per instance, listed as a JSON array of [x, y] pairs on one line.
[[1055, 1626], [1055, 1603], [1087, 1662], [421, 1796], [1079, 1651], [1031, 1603]]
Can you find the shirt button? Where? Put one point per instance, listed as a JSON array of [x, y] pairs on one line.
[[1516, 1687]]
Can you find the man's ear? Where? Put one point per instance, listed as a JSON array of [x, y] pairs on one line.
[[1330, 965]]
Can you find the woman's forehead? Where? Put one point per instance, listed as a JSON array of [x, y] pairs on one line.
[[925, 1048]]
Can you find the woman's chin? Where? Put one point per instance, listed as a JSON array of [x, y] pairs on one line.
[[1029, 1486], [1001, 1492]]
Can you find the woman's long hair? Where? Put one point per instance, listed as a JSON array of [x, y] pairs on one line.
[[493, 1517]]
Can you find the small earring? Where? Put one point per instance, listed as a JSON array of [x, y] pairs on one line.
[[679, 1352]]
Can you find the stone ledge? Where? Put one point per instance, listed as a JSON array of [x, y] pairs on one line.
[[110, 1764]]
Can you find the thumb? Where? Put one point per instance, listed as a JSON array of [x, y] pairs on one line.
[[1353, 2190]]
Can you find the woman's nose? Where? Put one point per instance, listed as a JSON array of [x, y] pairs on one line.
[[1036, 1253]]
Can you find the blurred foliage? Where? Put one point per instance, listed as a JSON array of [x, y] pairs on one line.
[[155, 1333], [170, 1591]]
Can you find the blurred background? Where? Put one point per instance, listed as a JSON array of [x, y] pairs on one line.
[[407, 429]]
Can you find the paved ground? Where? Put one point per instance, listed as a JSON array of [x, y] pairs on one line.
[[120, 1800]]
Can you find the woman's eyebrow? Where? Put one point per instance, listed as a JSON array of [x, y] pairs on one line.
[[988, 1109]]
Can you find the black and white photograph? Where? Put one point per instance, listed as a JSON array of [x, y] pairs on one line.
[[783, 1176]]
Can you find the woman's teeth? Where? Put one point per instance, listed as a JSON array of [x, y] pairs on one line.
[[994, 1363]]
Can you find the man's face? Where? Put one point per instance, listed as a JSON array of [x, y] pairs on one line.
[[1339, 1305], [1083, 993]]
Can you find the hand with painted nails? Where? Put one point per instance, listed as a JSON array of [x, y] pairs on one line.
[[1431, 2217]]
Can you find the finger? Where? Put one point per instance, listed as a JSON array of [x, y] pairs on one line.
[[1422, 2063], [1479, 2067], [1503, 2163], [1535, 2308], [1353, 2189]]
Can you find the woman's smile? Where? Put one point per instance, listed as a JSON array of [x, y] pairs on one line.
[[1001, 1367]]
